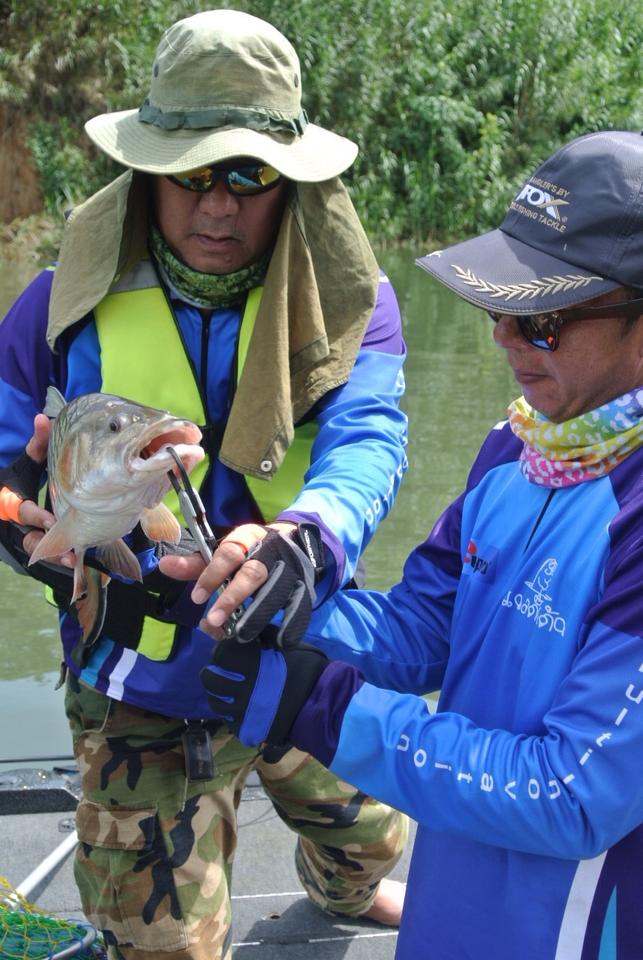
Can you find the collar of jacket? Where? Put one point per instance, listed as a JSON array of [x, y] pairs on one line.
[[318, 297]]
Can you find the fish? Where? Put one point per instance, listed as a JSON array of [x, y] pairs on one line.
[[109, 468]]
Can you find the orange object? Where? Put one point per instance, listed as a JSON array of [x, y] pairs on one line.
[[10, 505], [245, 535]]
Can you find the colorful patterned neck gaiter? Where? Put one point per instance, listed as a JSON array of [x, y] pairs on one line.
[[210, 290], [580, 449]]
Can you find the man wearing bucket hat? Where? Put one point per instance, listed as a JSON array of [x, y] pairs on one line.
[[225, 277], [524, 607]]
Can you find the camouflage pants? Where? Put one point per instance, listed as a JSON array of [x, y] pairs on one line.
[[154, 861]]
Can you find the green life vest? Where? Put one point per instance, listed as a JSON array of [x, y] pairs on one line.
[[135, 321]]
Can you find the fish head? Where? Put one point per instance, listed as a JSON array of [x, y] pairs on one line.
[[104, 446]]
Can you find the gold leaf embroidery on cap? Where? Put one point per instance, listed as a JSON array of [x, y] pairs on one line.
[[535, 288]]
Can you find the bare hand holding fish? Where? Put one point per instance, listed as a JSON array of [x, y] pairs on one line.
[[275, 567]]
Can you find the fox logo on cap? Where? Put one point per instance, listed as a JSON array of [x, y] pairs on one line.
[[536, 197]]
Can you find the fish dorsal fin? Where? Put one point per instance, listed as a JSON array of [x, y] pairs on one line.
[[118, 558], [159, 523], [54, 403], [59, 539]]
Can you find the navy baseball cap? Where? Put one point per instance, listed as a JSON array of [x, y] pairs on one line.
[[573, 231]]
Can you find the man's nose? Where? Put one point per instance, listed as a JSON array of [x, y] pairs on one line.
[[218, 202]]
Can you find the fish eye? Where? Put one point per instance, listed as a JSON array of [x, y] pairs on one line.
[[115, 425]]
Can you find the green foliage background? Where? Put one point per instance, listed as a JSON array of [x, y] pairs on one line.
[[452, 102]]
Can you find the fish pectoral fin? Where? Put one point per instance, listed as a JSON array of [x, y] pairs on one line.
[[57, 540], [117, 557], [159, 523], [91, 605]]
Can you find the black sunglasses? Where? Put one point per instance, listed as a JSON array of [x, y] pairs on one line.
[[542, 330], [239, 178]]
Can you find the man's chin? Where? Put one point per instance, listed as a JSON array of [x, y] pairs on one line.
[[220, 258]]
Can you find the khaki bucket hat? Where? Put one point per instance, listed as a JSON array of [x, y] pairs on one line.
[[224, 84]]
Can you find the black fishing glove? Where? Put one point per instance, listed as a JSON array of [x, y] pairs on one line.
[[13, 553], [23, 476], [258, 691], [295, 563]]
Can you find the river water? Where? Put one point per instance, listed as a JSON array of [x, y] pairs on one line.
[[458, 385]]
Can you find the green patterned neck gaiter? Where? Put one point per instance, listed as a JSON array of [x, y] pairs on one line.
[[210, 290]]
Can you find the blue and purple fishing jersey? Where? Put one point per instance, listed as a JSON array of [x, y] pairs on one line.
[[358, 460], [525, 608]]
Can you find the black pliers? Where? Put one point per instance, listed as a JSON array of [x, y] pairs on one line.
[[197, 523], [192, 508]]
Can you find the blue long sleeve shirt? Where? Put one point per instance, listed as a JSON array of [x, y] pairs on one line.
[[525, 607]]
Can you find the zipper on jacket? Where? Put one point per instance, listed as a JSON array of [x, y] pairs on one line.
[[206, 317], [539, 518]]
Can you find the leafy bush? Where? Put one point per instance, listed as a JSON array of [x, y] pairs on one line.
[[452, 102]]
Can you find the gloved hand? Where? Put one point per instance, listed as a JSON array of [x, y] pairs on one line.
[[294, 563], [22, 520], [22, 477], [258, 691], [276, 565]]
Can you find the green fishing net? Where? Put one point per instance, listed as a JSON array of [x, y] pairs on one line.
[[28, 933]]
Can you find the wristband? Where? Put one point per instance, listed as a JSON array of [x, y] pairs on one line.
[[10, 504]]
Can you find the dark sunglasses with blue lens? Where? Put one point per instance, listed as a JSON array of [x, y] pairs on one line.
[[243, 178], [542, 330]]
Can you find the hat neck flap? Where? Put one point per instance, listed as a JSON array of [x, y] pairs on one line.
[[318, 297], [104, 237]]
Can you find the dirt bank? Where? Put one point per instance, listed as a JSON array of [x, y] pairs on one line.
[[20, 194]]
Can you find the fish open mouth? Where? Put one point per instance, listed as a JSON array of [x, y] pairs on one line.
[[154, 455]]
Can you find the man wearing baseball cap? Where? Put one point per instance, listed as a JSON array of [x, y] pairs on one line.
[[225, 277], [524, 607]]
